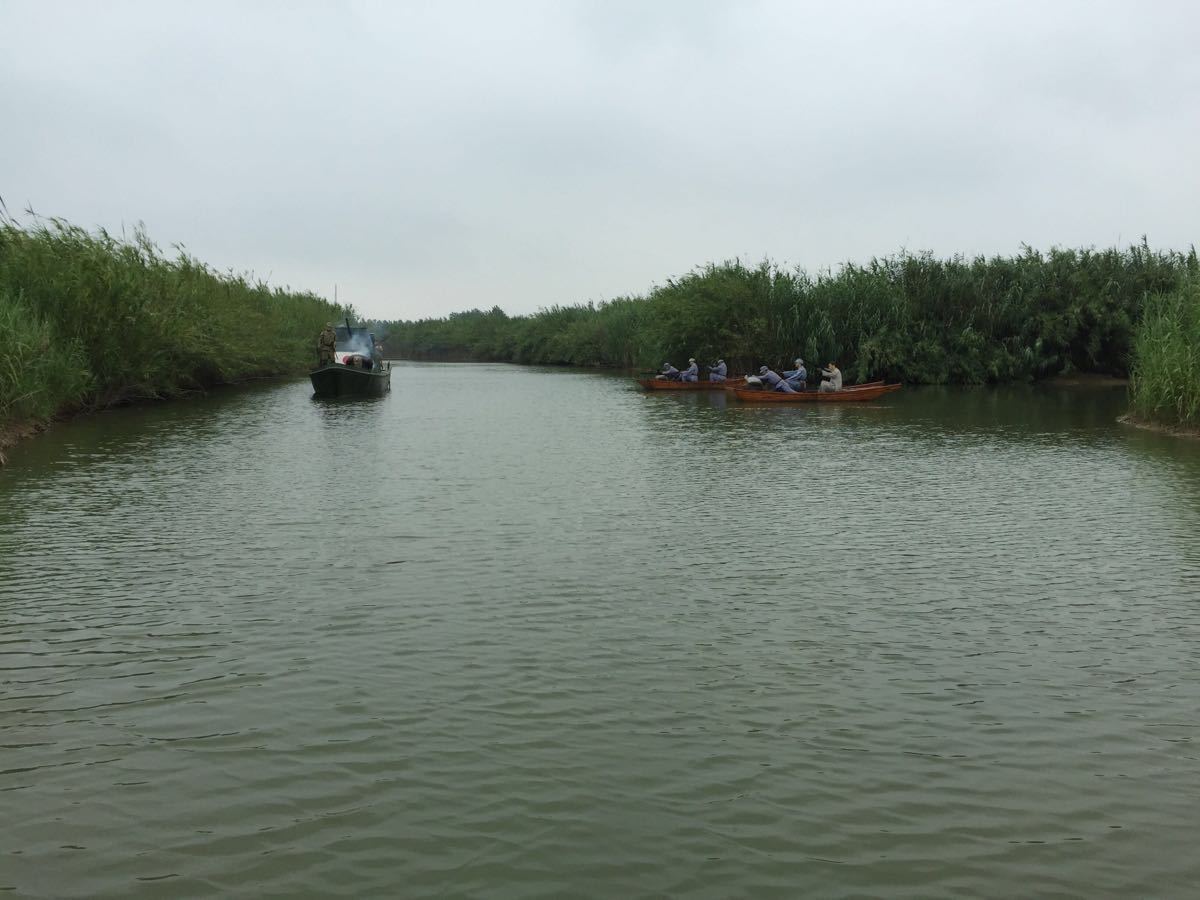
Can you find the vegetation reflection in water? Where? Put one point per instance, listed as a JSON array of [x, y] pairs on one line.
[[511, 633]]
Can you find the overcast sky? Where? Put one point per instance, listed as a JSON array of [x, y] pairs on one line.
[[429, 157]]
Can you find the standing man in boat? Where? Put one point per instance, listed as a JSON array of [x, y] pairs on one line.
[[718, 372], [773, 382], [797, 377], [326, 344], [833, 379], [691, 373]]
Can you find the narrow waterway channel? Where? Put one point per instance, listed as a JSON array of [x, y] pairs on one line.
[[516, 633]]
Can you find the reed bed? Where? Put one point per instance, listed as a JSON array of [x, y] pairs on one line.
[[909, 317], [1165, 386], [92, 320]]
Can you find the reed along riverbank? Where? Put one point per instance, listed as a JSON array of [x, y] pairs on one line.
[[911, 318], [1165, 387], [91, 320]]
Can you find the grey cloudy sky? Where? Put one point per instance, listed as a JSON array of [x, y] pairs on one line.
[[433, 157]]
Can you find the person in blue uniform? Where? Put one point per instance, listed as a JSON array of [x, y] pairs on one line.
[[691, 373], [797, 377], [669, 372], [773, 382], [718, 372]]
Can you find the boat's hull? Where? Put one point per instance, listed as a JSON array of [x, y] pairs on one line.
[[337, 380], [855, 387], [663, 384], [857, 393]]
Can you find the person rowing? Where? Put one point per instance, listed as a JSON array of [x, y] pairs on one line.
[[797, 377], [833, 378], [669, 372], [773, 382], [718, 372], [691, 373]]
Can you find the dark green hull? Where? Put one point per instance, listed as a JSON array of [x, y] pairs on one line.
[[336, 380]]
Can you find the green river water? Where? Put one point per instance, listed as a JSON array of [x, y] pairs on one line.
[[510, 632]]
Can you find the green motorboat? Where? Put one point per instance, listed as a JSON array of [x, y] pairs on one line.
[[358, 369]]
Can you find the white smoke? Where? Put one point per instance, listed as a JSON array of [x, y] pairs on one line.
[[358, 343]]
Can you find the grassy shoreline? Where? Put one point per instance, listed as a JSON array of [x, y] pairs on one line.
[[93, 321], [1190, 432], [1063, 314], [14, 432]]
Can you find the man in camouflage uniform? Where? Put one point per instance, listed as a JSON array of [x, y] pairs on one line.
[[326, 344]]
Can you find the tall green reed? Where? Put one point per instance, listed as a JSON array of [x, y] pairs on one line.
[[1165, 385], [909, 316], [101, 320]]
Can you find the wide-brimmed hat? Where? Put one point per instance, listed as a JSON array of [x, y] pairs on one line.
[[799, 361], [762, 370]]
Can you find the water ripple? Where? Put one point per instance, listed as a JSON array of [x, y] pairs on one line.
[[510, 633]]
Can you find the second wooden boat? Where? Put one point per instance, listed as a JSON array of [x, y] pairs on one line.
[[859, 392]]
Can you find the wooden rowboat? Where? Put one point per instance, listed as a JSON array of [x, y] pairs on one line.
[[848, 387], [663, 384], [859, 392]]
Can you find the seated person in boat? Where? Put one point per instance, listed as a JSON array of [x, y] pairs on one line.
[[326, 344], [669, 372], [832, 376], [691, 373], [797, 377], [718, 372], [772, 382]]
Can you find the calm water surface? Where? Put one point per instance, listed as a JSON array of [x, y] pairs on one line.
[[514, 633]]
